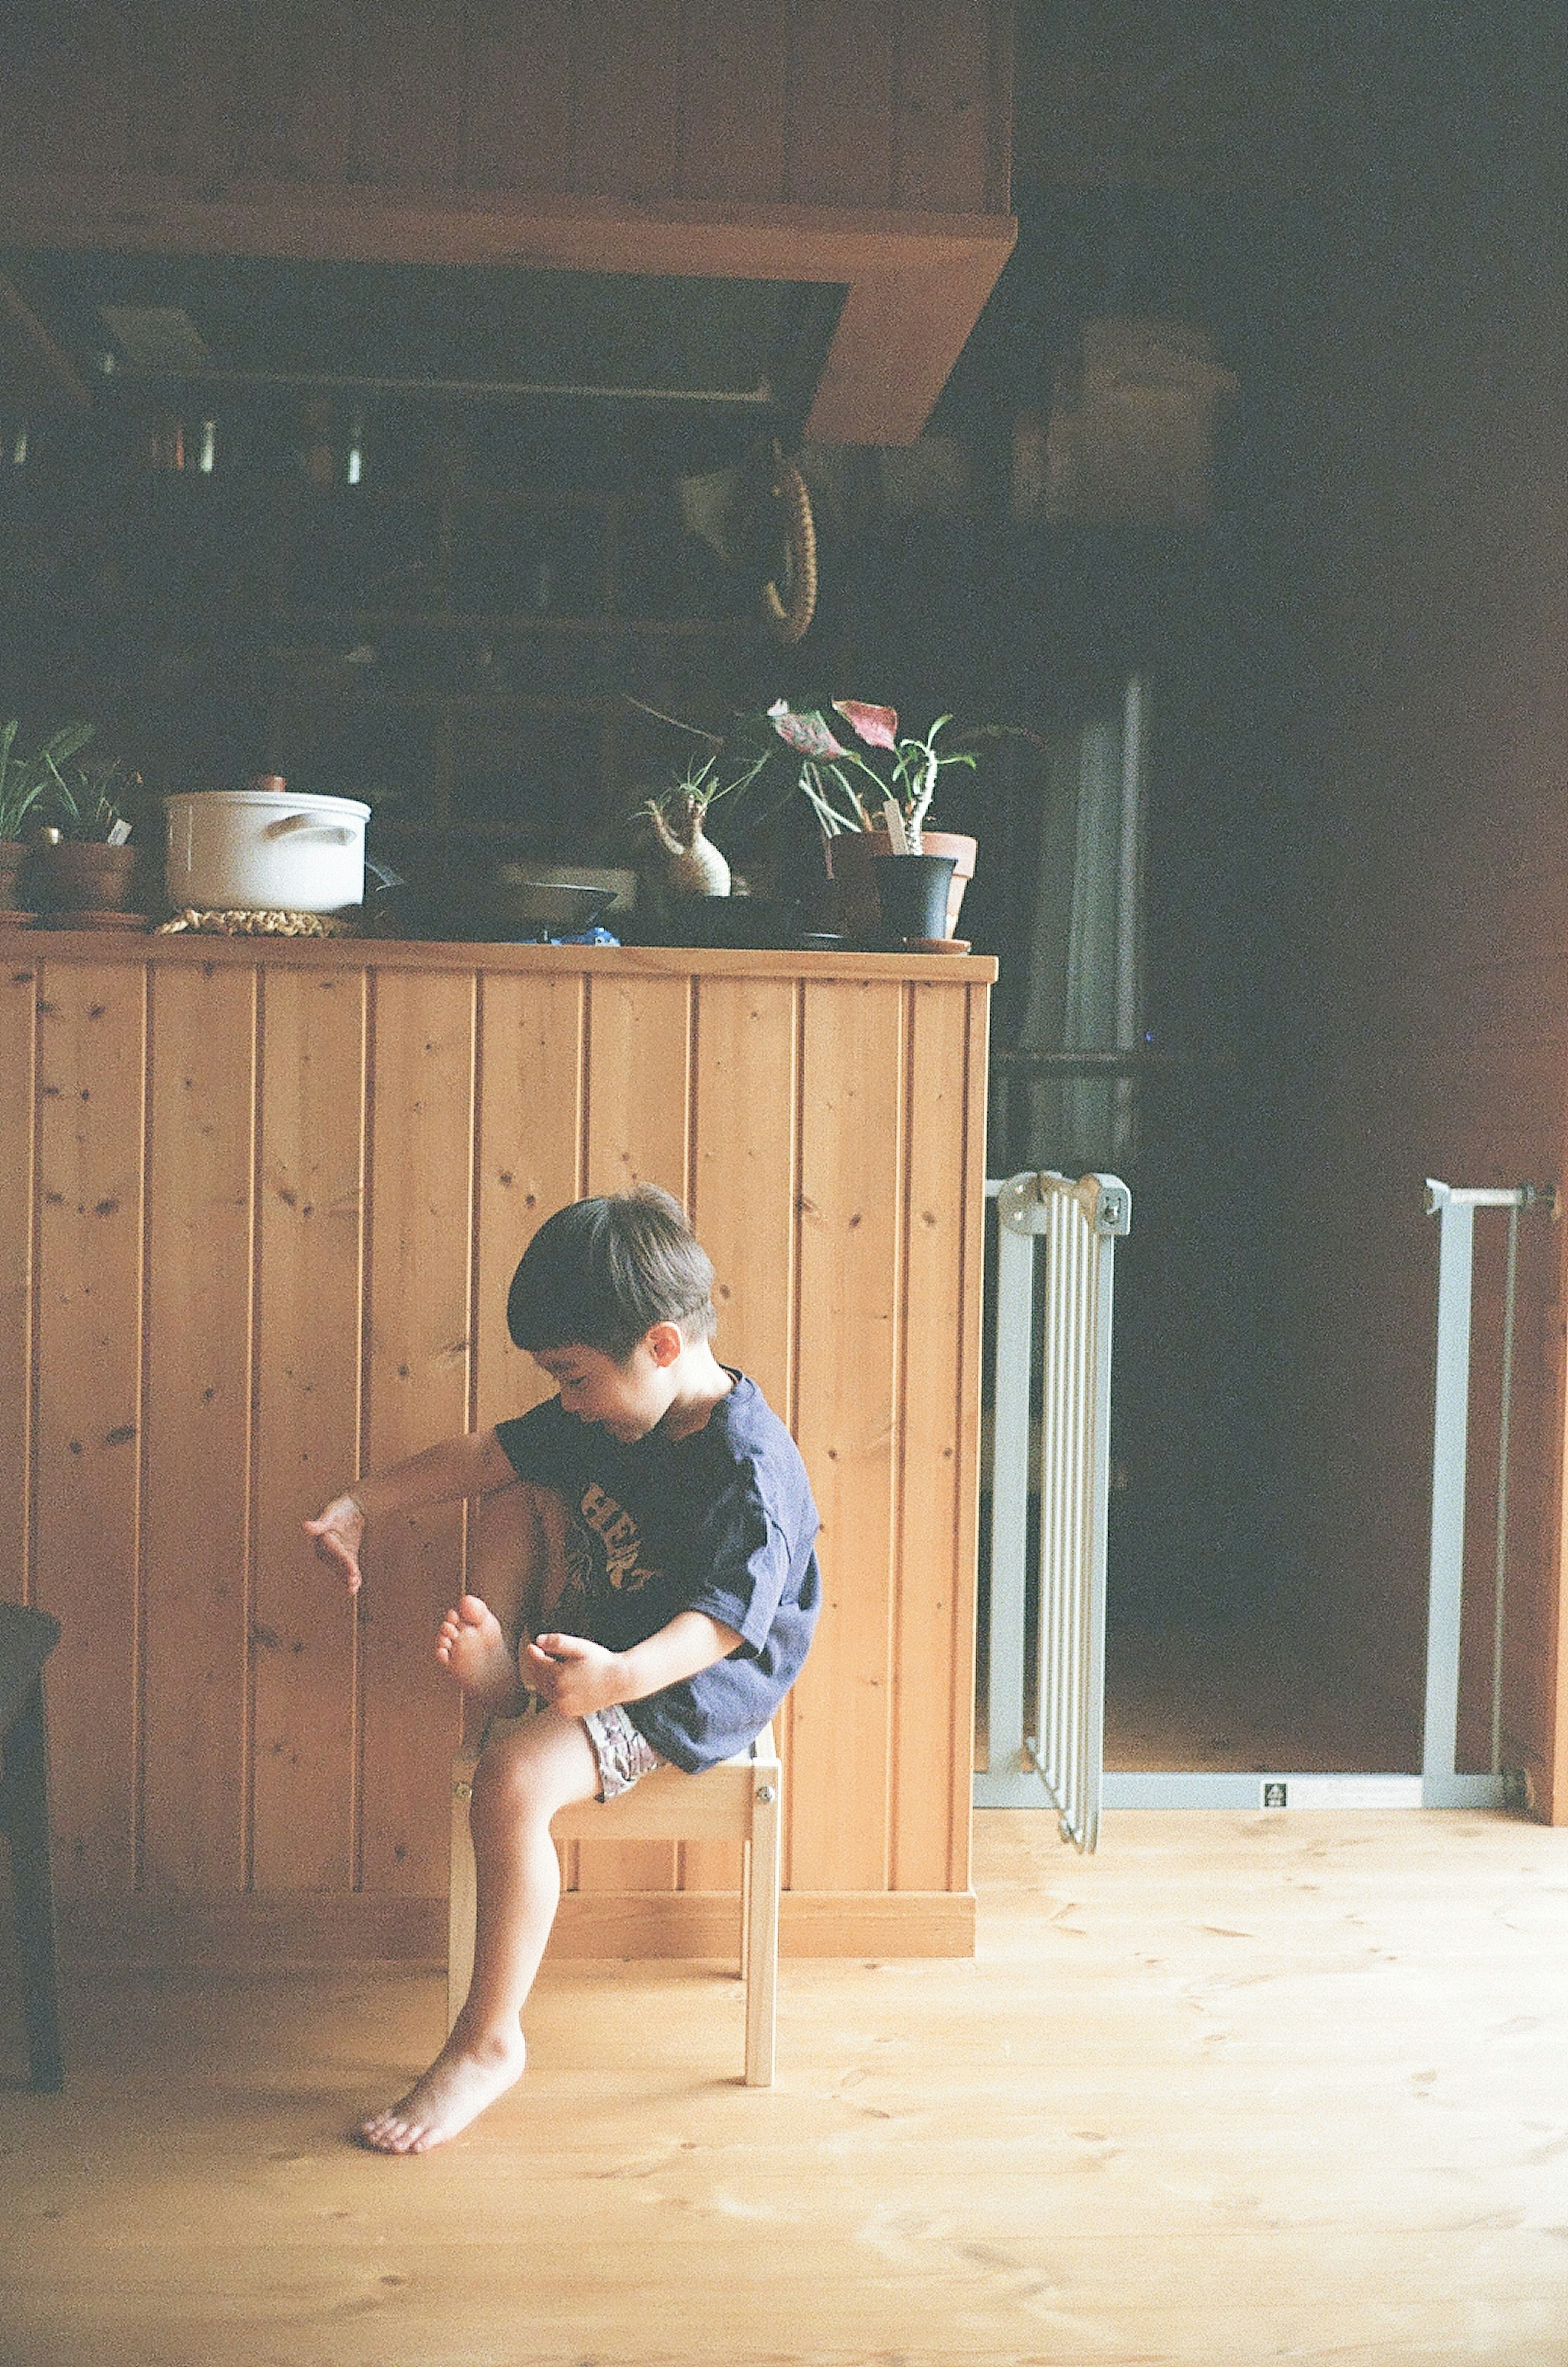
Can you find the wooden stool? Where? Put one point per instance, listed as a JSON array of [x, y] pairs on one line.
[[738, 1800], [27, 1639]]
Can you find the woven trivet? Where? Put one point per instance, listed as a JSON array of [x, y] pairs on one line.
[[258, 924]]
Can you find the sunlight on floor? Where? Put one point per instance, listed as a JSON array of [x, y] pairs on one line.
[[1237, 2088]]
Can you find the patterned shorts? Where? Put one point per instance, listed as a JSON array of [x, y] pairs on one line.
[[621, 1752]]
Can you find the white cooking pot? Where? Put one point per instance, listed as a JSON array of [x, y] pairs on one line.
[[265, 850]]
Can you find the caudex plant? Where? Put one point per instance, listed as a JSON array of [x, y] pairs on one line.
[[678, 814]]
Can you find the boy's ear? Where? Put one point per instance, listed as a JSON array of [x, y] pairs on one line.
[[664, 1343]]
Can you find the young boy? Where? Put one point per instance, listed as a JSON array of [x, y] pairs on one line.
[[646, 1550]]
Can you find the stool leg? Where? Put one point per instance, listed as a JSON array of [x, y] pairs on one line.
[[27, 1790], [762, 1932], [746, 1909]]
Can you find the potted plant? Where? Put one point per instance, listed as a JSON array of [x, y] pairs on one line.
[[85, 863], [869, 812], [26, 778], [694, 865]]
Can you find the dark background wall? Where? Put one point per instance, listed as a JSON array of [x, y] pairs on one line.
[[1379, 195]]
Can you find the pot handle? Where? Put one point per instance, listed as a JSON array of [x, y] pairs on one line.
[[334, 833]]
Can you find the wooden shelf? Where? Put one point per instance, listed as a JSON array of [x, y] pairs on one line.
[[133, 579], [517, 620]]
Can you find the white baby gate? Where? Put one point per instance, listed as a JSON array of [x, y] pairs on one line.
[[1045, 1691], [1046, 1752], [1455, 1208]]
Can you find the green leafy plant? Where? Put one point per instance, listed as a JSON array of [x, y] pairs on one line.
[[877, 780], [846, 788], [31, 777], [89, 804]]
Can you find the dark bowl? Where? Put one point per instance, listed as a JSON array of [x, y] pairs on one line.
[[745, 924], [487, 910], [521, 906]]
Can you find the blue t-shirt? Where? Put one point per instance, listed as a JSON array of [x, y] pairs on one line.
[[720, 1521]]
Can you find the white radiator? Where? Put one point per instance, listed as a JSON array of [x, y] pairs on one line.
[[1050, 1449]]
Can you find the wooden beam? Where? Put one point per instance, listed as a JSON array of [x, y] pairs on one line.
[[916, 282]]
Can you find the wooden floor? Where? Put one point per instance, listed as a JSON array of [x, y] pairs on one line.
[[1252, 1698], [1239, 2088]]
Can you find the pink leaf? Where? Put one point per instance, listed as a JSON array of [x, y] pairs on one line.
[[877, 726], [807, 734]]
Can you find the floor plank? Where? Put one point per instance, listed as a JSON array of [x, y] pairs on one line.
[[1237, 2089]]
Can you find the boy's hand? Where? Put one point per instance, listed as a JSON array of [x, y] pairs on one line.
[[337, 1535], [572, 1674]]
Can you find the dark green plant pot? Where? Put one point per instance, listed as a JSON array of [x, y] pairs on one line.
[[912, 892]]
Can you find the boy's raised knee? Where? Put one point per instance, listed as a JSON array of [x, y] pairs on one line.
[[541, 1764]]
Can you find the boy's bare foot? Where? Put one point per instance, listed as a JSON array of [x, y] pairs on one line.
[[455, 2090], [473, 1646]]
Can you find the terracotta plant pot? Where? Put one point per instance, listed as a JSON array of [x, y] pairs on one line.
[[912, 890], [85, 875], [963, 851], [851, 856]]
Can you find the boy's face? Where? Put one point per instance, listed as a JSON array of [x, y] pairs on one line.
[[625, 1400]]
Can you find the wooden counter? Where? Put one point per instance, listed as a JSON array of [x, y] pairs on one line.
[[266, 1200]]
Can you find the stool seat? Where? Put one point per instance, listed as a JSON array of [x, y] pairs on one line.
[[740, 1799]]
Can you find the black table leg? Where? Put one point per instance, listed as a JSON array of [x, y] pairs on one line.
[[27, 1820]]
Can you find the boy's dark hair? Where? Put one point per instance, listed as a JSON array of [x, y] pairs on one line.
[[600, 1273]]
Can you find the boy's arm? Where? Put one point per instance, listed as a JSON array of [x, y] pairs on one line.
[[578, 1676], [473, 1464]]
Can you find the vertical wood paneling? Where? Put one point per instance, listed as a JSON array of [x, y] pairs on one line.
[[296, 80], [743, 1210], [89, 1383], [932, 1532], [967, 1177], [941, 126], [181, 89], [638, 1112], [307, 1422], [528, 1155], [18, 998], [417, 1392], [639, 1083], [521, 94], [408, 77], [843, 69], [628, 99], [734, 100], [743, 1187], [817, 1128], [760, 101], [852, 1083], [63, 93], [200, 1163]]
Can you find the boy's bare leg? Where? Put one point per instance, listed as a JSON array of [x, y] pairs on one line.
[[516, 1560], [535, 1768]]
